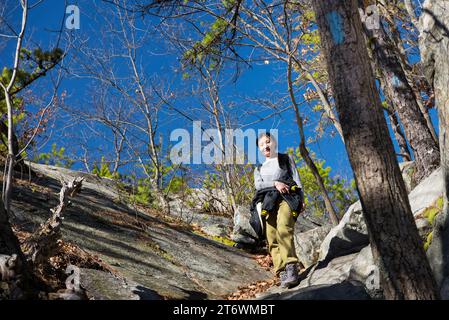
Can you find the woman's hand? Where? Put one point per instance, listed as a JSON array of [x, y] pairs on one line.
[[303, 207], [282, 187]]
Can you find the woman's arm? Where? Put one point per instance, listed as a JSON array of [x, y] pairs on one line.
[[295, 173]]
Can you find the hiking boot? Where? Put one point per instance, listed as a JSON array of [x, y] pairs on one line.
[[289, 277], [282, 277]]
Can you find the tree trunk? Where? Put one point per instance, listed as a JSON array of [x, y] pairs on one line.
[[400, 52], [397, 248], [399, 135], [403, 101]]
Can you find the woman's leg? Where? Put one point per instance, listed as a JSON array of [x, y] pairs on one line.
[[285, 235], [273, 246]]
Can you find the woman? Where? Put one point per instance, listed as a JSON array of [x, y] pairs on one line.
[[279, 189]]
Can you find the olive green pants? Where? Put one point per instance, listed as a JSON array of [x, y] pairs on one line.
[[279, 229]]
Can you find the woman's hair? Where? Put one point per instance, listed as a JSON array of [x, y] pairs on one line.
[[264, 134]]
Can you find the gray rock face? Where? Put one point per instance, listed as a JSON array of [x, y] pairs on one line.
[[100, 285], [141, 247], [437, 253], [307, 244], [365, 271], [424, 228], [407, 169], [243, 232], [213, 225], [348, 237], [200, 199], [351, 234], [427, 192], [332, 277], [434, 46], [335, 271], [306, 222], [339, 291], [444, 291], [362, 265]]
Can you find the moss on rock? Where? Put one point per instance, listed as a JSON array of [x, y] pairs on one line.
[[223, 240], [428, 241], [431, 213]]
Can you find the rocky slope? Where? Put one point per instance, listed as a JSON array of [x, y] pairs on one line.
[[144, 255], [151, 257]]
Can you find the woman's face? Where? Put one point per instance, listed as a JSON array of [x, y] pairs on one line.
[[266, 146]]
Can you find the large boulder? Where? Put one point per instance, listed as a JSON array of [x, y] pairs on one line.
[[243, 232], [100, 285], [307, 244], [308, 222], [352, 276], [348, 237], [340, 291], [427, 192], [365, 271], [335, 271], [351, 233], [426, 202]]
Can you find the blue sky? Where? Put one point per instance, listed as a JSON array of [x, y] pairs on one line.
[[257, 81]]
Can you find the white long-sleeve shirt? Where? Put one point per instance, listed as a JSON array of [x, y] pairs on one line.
[[270, 172]]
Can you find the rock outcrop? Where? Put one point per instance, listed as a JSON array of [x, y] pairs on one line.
[[154, 258], [213, 225], [154, 255], [434, 46], [307, 244]]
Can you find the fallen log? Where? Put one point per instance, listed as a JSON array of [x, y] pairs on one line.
[[43, 244]]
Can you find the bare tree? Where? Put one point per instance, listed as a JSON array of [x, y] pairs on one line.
[[11, 159], [269, 30], [403, 100], [133, 112]]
